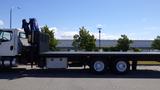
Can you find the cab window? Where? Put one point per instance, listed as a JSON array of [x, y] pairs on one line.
[[5, 36], [22, 35]]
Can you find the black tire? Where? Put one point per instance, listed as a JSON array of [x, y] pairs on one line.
[[98, 66], [120, 66]]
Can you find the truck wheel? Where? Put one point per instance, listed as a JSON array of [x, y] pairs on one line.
[[98, 66], [121, 66]]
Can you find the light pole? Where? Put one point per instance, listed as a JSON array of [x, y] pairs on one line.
[[10, 13], [99, 28]]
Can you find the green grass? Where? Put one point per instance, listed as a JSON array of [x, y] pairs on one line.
[[149, 62]]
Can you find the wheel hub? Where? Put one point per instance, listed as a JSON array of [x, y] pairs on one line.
[[99, 66], [121, 66]]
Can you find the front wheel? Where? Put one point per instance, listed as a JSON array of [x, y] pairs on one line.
[[98, 66]]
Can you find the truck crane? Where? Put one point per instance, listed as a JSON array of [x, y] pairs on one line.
[[17, 49]]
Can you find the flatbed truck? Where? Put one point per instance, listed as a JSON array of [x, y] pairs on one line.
[[16, 49]]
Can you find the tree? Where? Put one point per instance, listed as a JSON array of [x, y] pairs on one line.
[[52, 40], [124, 43], [76, 42], [84, 40], [156, 43]]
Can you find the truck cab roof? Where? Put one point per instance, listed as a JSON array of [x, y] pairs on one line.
[[6, 29]]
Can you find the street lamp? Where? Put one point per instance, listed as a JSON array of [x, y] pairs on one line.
[[11, 9], [99, 28]]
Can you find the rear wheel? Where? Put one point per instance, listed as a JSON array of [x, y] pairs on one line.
[[121, 66], [98, 66]]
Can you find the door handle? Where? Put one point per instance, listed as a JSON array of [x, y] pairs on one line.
[[0, 41], [11, 48]]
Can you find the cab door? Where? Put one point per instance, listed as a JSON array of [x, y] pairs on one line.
[[6, 43]]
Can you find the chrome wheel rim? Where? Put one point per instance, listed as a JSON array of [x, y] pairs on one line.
[[99, 66], [121, 66]]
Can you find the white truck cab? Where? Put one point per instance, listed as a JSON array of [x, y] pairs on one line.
[[9, 45]]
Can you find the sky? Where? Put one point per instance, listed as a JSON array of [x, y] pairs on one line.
[[138, 19]]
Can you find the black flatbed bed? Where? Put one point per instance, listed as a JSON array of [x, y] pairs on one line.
[[144, 56], [104, 53]]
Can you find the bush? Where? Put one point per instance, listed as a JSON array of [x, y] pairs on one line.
[[111, 49], [136, 49]]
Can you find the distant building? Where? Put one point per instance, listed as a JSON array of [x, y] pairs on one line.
[[144, 45]]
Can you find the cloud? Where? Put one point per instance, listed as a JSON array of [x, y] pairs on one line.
[[55, 29], [1, 23], [105, 36], [63, 33], [66, 33], [70, 34], [99, 26], [152, 28]]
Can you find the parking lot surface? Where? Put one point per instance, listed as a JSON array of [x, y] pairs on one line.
[[146, 78]]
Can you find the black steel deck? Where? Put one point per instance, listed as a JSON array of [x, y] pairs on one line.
[[145, 56], [103, 53]]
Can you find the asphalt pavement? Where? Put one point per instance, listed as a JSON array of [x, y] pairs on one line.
[[146, 78]]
